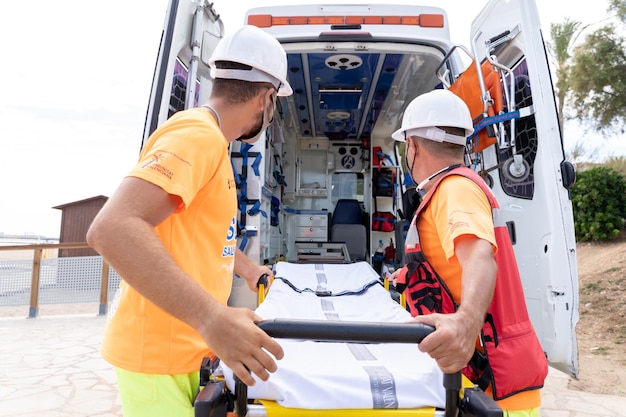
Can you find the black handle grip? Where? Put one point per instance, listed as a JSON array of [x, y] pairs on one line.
[[500, 36], [346, 331], [262, 280]]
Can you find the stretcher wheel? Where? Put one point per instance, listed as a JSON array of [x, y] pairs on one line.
[[516, 169]]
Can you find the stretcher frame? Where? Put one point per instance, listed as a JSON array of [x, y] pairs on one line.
[[214, 399]]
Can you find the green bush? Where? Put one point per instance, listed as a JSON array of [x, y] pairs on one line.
[[599, 204]]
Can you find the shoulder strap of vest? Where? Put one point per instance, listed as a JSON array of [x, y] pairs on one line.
[[464, 172]]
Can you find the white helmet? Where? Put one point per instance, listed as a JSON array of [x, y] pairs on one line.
[[436, 108], [252, 46]]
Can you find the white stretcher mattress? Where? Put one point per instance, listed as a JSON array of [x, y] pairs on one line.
[[329, 375]]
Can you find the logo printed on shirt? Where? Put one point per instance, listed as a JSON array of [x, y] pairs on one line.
[[160, 156], [155, 164], [454, 222], [229, 250], [232, 230], [154, 159]]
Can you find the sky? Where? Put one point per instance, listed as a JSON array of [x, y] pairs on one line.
[[76, 78]]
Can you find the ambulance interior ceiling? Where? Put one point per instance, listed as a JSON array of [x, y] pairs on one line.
[[345, 94]]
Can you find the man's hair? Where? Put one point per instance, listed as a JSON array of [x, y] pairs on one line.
[[445, 148], [236, 91]]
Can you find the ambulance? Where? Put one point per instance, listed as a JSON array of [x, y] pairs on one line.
[[326, 183]]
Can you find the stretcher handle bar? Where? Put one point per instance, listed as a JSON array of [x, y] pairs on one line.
[[346, 331], [442, 76]]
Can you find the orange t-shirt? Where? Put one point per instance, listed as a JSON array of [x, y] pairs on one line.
[[188, 157], [459, 207]]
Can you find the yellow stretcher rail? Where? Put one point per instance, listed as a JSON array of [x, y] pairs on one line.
[[273, 409]]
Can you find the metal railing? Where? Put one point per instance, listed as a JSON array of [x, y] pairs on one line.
[[55, 280]]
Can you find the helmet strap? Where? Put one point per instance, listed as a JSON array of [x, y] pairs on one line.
[[437, 135]]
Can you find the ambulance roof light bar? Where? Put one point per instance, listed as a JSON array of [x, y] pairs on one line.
[[423, 20]]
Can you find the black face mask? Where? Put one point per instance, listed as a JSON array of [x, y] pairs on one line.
[[406, 160]]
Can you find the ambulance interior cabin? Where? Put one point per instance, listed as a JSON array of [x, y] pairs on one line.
[[344, 176], [326, 183], [337, 131], [336, 158]]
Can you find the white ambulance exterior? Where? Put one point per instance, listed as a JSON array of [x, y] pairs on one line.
[[354, 69]]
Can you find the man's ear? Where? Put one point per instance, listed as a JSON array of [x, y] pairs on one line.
[[413, 143], [268, 102], [266, 97]]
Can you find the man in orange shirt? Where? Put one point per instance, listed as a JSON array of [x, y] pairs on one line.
[[169, 230], [451, 250]]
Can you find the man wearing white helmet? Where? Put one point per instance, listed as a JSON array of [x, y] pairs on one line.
[[170, 231], [461, 275]]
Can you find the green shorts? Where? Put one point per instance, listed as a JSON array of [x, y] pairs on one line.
[[157, 395], [533, 412]]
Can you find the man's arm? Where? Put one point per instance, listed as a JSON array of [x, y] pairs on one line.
[[453, 342], [250, 271], [123, 233]]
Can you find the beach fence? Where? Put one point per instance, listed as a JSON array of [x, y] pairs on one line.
[[45, 279]]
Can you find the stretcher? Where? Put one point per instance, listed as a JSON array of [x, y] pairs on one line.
[[348, 351], [489, 90]]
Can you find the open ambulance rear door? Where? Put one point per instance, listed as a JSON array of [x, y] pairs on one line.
[[529, 174], [181, 76]]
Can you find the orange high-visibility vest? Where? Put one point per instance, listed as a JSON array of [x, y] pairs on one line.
[[511, 358]]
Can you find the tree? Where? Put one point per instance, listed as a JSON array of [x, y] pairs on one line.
[[619, 8], [562, 35], [596, 76], [597, 80]]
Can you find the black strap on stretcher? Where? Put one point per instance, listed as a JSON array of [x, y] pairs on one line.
[[330, 293]]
